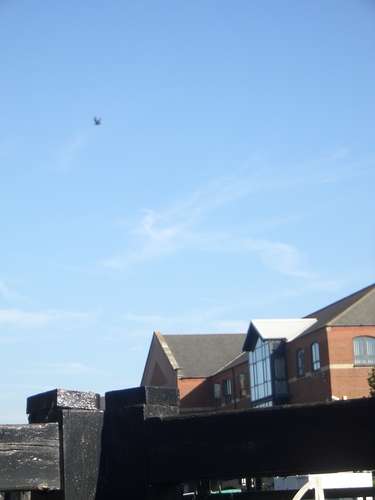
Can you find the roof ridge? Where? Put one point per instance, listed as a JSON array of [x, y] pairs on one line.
[[351, 306], [201, 355], [198, 334], [167, 350], [329, 315], [361, 293]]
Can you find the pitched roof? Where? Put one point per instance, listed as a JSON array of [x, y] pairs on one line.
[[275, 329], [241, 358], [354, 310], [201, 355]]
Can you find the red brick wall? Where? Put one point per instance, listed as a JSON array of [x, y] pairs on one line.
[[237, 402], [197, 394], [194, 395], [346, 379], [314, 385], [337, 375]]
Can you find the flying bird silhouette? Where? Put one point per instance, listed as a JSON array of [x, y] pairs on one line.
[[97, 121]]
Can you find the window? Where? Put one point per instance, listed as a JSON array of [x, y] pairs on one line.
[[217, 394], [242, 382], [315, 356], [227, 390], [364, 350], [300, 363], [260, 371], [281, 382]]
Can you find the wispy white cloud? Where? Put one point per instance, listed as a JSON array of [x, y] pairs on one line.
[[58, 368], [160, 239], [6, 292], [197, 320], [183, 226], [11, 294], [286, 293], [27, 319], [283, 258], [25, 386], [69, 151], [65, 368]]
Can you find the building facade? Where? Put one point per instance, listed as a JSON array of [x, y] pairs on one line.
[[210, 371], [323, 356], [329, 358]]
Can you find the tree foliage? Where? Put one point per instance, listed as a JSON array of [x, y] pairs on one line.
[[371, 381]]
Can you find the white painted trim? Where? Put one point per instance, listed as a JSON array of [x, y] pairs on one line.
[[342, 366], [316, 374], [338, 366]]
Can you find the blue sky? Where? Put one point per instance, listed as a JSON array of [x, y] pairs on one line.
[[232, 176]]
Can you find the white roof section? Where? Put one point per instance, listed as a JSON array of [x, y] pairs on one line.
[[277, 329]]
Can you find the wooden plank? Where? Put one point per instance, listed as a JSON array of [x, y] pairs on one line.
[[160, 396], [123, 471], [327, 437], [80, 422], [81, 431], [46, 406], [29, 457]]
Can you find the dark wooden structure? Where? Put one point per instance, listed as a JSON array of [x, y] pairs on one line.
[[140, 448]]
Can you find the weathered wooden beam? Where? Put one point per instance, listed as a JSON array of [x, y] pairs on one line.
[[46, 406], [29, 457], [295, 439], [81, 434], [123, 471], [80, 422]]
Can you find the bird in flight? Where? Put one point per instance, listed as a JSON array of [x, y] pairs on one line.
[[97, 121]]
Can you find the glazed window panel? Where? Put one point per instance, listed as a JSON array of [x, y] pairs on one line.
[[315, 356], [217, 391], [281, 382], [364, 350], [227, 386], [227, 390], [242, 382], [300, 362], [280, 371], [260, 371]]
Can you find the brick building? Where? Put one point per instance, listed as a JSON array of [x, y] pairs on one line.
[[329, 358], [326, 355], [211, 371]]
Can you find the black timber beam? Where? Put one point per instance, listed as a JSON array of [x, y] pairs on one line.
[[29, 457], [278, 441], [80, 420], [123, 471]]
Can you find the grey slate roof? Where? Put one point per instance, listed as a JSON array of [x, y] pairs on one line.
[[353, 310], [275, 329], [204, 355], [241, 358]]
